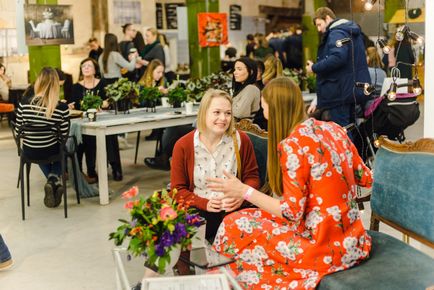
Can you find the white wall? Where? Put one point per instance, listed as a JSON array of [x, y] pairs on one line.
[[428, 131]]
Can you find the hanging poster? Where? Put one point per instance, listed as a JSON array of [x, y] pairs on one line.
[[171, 15], [159, 15], [48, 24], [235, 17], [127, 12], [212, 28]]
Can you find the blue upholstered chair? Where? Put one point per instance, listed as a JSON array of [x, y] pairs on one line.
[[259, 138], [403, 198]]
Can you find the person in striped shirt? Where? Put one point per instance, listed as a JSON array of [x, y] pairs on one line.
[[43, 108]]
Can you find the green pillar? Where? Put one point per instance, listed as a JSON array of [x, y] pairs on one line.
[[310, 34], [204, 60], [390, 7], [41, 56]]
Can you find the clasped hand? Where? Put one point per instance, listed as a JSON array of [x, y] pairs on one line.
[[233, 190]]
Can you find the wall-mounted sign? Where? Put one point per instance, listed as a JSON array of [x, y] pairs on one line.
[[159, 15], [235, 17], [212, 28], [171, 15]]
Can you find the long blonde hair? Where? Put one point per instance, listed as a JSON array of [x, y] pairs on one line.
[[285, 111], [273, 69], [205, 103], [147, 79], [47, 90]]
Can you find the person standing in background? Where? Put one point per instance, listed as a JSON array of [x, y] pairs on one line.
[[5, 84], [262, 49], [126, 46], [95, 48], [293, 49], [339, 65], [153, 48], [250, 47], [168, 72]]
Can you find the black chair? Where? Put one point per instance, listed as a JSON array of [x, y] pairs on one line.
[[29, 130]]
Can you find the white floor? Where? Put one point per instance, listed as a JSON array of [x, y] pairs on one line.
[[51, 252]]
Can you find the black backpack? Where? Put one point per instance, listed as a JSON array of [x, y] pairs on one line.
[[391, 118]]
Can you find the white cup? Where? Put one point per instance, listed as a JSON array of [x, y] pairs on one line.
[[188, 108], [165, 102], [91, 115]]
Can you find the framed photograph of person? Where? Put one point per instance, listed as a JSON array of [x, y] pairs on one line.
[[48, 24]]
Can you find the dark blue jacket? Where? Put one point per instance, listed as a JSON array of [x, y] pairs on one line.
[[334, 66]]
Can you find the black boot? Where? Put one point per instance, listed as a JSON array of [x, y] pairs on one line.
[[160, 162]]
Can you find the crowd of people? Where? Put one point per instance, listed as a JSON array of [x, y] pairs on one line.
[[309, 226]]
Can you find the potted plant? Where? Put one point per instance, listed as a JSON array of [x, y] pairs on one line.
[[176, 96], [158, 228], [123, 94], [90, 101], [311, 83], [149, 97]]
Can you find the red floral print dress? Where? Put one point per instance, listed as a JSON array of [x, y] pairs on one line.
[[321, 231]]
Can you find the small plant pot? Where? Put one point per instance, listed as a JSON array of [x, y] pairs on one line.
[[123, 106], [91, 115]]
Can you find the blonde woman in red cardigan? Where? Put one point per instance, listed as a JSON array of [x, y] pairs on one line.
[[207, 152]]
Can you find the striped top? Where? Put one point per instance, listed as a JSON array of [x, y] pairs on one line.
[[35, 115]]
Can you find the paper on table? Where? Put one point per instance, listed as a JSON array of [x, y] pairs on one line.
[[198, 282]]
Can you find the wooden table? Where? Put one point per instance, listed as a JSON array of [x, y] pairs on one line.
[[137, 120]]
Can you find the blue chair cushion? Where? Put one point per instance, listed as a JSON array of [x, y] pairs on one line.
[[392, 265], [260, 145]]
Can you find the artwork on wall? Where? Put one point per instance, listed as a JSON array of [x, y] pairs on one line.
[[235, 17], [48, 24], [213, 29], [127, 12]]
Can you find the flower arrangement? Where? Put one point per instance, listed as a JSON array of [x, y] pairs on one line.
[[197, 87], [296, 75], [90, 101], [158, 225], [176, 96], [149, 96], [122, 89]]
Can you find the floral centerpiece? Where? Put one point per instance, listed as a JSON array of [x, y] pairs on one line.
[[90, 101], [158, 226], [149, 97], [176, 96], [197, 87], [123, 94]]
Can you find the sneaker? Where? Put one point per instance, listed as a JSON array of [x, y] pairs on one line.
[[50, 189], [6, 264], [58, 195]]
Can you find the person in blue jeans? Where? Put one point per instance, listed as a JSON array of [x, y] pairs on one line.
[[5, 255]]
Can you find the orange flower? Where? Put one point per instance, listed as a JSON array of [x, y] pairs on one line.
[[132, 192], [131, 204], [167, 213], [134, 231]]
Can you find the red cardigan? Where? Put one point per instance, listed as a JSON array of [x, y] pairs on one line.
[[182, 168]]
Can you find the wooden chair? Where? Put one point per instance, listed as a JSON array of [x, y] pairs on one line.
[[259, 138], [403, 198]]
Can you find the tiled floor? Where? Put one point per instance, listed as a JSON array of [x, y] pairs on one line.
[[51, 252]]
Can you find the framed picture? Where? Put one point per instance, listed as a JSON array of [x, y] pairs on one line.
[[213, 29], [48, 24]]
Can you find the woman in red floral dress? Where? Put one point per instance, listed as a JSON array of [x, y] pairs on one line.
[[312, 227]]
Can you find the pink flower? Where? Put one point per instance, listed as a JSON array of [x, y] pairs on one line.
[[131, 204], [167, 213], [132, 192]]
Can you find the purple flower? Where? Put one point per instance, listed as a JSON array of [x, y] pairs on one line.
[[133, 223], [166, 239], [159, 249], [180, 232]]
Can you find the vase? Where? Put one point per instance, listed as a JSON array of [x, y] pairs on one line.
[[123, 105], [175, 252]]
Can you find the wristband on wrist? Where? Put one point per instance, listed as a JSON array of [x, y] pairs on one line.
[[248, 193]]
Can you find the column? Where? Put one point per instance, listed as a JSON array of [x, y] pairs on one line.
[[428, 128], [41, 56]]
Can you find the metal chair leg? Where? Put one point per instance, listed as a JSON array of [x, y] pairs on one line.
[[65, 206], [28, 166], [74, 169], [23, 208], [137, 146]]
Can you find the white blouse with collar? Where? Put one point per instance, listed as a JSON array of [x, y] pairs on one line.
[[208, 164]]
